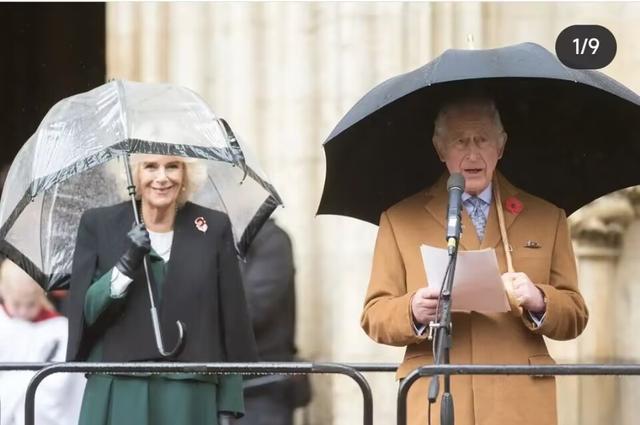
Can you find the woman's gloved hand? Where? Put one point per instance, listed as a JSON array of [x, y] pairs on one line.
[[140, 245]]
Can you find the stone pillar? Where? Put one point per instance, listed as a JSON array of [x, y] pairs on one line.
[[598, 231], [591, 400], [627, 316]]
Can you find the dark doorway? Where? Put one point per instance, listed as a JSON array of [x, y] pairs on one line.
[[49, 51]]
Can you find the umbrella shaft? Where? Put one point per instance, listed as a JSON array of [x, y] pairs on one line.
[[146, 273], [132, 193]]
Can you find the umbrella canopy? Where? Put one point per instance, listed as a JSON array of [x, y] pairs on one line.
[[574, 135], [73, 162]]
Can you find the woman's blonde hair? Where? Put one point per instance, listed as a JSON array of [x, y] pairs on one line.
[[195, 175]]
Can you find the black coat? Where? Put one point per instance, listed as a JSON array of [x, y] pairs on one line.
[[203, 289], [268, 276]]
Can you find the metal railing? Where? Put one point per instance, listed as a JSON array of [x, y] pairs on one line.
[[352, 371], [533, 370]]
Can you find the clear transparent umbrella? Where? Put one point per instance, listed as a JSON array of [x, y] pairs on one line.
[[73, 162]]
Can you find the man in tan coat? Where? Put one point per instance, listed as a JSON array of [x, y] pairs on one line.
[[399, 305]]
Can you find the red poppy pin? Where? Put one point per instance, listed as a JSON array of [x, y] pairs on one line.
[[513, 205], [201, 224]]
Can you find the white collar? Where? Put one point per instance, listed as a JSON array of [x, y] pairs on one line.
[[485, 195]]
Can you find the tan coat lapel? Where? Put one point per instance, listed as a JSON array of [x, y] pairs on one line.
[[436, 205], [492, 235], [437, 200]]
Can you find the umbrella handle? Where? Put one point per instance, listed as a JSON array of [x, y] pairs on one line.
[[159, 344]]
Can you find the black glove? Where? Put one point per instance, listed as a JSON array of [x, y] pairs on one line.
[[140, 245]]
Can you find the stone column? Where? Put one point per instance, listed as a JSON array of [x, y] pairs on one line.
[[599, 231], [627, 316], [591, 400]]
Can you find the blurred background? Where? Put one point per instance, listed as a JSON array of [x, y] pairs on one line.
[[283, 74]]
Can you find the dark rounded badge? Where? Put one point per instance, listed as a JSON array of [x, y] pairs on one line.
[[586, 46]]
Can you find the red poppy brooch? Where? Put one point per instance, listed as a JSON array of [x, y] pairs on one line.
[[513, 205], [201, 224]]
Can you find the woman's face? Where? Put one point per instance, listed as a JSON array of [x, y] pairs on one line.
[[160, 180]]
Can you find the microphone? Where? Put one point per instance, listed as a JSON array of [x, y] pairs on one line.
[[455, 187]]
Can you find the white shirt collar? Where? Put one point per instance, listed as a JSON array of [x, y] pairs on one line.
[[485, 195]]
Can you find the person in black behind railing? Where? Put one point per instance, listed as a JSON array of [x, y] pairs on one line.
[[268, 276]]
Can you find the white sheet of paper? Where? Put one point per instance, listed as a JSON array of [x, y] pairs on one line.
[[477, 285]]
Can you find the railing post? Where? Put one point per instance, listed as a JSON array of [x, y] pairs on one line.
[[403, 392], [367, 398]]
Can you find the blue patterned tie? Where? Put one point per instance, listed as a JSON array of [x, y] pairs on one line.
[[477, 216]]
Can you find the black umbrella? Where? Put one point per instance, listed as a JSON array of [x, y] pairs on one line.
[[574, 135]]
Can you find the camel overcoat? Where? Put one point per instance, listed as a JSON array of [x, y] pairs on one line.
[[478, 338]]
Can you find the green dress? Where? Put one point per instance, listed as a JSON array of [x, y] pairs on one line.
[[170, 399]]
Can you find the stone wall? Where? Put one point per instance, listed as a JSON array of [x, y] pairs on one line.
[[283, 74]]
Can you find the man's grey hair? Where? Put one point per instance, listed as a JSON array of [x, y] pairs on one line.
[[484, 104]]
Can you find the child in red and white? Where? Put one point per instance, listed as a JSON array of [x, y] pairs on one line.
[[21, 298], [32, 331]]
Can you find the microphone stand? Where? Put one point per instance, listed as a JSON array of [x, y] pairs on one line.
[[443, 341]]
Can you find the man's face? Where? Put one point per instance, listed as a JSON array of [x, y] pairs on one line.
[[471, 145]]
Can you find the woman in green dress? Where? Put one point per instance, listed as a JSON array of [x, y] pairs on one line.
[[195, 279]]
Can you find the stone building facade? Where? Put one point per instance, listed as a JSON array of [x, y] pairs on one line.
[[284, 73]]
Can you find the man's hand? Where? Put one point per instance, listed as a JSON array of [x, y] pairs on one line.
[[423, 305], [528, 296]]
